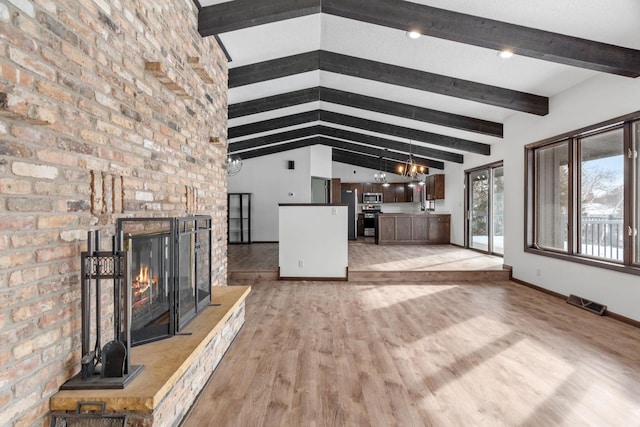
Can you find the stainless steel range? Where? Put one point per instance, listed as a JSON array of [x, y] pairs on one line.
[[370, 212]]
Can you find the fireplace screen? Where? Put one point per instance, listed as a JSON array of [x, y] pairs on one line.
[[170, 271]]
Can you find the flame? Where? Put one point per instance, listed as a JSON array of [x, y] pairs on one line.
[[144, 287], [143, 276]]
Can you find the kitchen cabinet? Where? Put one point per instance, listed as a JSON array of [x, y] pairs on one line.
[[413, 229], [397, 193], [439, 229], [372, 187], [400, 192], [336, 195], [360, 224], [434, 187], [239, 218], [389, 194]]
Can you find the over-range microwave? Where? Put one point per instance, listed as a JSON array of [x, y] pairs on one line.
[[372, 198]]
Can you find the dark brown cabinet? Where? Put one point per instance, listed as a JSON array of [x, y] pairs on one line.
[[336, 195], [439, 229], [393, 193], [434, 187], [360, 224], [372, 187], [397, 193], [389, 194], [413, 229]]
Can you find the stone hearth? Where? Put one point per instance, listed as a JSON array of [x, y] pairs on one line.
[[175, 369]]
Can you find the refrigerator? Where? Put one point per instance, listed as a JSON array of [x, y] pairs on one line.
[[350, 198]]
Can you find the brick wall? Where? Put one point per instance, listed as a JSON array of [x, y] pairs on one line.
[[107, 109]]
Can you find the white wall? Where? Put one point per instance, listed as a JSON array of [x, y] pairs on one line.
[[320, 250], [321, 164], [271, 183], [596, 100], [349, 173]]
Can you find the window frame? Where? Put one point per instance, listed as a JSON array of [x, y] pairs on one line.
[[631, 196]]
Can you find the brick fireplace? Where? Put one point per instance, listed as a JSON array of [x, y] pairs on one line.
[[108, 110]]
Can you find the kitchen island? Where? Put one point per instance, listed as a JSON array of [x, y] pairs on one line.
[[421, 228]]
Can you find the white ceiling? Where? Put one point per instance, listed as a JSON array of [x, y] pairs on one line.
[[614, 22]]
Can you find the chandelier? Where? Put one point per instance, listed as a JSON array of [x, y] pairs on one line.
[[233, 164], [380, 176], [410, 169]]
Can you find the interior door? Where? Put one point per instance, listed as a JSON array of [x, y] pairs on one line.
[[320, 190]]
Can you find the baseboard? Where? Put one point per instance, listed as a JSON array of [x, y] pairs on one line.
[[611, 314]]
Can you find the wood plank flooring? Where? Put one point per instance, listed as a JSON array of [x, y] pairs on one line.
[[483, 354], [371, 262]]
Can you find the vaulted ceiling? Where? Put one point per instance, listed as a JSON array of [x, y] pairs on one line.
[[343, 73]]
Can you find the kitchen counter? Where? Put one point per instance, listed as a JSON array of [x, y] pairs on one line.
[[404, 228]]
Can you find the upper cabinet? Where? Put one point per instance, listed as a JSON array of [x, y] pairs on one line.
[[372, 187], [398, 192], [434, 187]]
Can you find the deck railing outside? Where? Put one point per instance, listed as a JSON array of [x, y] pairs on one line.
[[602, 237]]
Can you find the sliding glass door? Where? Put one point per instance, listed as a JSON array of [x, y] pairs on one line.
[[485, 209]]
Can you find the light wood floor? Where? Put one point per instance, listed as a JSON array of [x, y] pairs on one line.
[[482, 354], [364, 255]]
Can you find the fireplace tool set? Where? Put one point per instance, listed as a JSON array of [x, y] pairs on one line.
[[108, 366]]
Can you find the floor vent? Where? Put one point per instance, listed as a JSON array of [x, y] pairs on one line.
[[591, 306]]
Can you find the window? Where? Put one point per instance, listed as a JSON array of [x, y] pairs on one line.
[[635, 180], [602, 195], [583, 195], [552, 179]]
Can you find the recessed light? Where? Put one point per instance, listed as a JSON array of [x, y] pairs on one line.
[[505, 54], [413, 34]]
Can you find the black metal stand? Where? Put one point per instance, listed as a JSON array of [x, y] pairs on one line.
[[96, 266]]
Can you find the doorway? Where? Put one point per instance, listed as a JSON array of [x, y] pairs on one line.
[[484, 199], [320, 190]]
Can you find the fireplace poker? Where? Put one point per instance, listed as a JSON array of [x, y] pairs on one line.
[[98, 350], [114, 352]]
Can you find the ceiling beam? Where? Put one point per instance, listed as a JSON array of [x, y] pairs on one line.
[[274, 102], [273, 124], [338, 155], [274, 69], [405, 132], [279, 148], [412, 112], [274, 138], [391, 74], [434, 22], [369, 162], [379, 152], [364, 124], [435, 83], [390, 144], [368, 103], [238, 14], [377, 142], [491, 34]]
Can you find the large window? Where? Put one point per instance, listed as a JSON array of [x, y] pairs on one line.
[[583, 195]]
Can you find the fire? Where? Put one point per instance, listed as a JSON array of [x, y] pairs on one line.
[[144, 285], [143, 276]]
